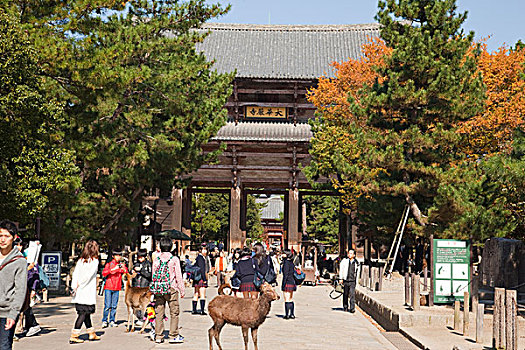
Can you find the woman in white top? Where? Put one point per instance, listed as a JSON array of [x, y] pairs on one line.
[[84, 286]]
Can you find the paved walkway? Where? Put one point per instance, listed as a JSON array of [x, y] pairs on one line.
[[320, 324]]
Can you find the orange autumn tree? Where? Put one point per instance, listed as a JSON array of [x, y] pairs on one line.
[[331, 98], [492, 131]]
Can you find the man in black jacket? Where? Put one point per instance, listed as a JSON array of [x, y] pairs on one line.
[[348, 272]]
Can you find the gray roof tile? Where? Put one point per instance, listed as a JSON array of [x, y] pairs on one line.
[[283, 51], [264, 132]]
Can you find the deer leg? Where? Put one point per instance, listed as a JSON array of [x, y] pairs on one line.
[[127, 325], [245, 336], [254, 337], [218, 329], [132, 312], [211, 335], [144, 323]]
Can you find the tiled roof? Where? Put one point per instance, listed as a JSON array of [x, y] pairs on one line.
[[283, 51], [264, 132]]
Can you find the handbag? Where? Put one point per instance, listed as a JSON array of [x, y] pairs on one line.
[[298, 276], [195, 273], [337, 291], [235, 282], [270, 275], [258, 279]]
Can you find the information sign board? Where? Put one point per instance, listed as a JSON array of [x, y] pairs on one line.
[[51, 263], [451, 270]]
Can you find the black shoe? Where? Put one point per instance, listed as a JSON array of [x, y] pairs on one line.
[[195, 312], [286, 317], [352, 311], [203, 313], [292, 317], [345, 309]]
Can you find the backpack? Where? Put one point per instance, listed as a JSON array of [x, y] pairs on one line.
[[270, 275], [195, 272], [160, 282], [44, 278]]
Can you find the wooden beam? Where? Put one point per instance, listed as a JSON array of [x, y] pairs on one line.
[[211, 190], [271, 104], [247, 167], [270, 91], [261, 154]]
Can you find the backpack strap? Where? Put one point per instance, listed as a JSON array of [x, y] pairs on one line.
[[10, 261]]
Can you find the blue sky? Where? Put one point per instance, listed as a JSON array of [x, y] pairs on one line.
[[502, 20]]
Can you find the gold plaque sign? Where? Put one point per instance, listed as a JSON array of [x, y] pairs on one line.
[[265, 112]]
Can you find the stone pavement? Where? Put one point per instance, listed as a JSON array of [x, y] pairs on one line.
[[320, 324], [430, 327]]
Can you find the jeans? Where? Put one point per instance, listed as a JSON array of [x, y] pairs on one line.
[[6, 337], [349, 293], [110, 305]]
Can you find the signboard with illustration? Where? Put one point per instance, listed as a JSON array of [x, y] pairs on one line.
[[51, 263], [451, 267]]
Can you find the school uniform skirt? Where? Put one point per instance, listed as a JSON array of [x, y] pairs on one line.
[[289, 288], [247, 287], [200, 284]]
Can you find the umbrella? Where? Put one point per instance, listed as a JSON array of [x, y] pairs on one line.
[[174, 234]]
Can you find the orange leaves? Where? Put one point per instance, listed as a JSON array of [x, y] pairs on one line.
[[331, 95], [491, 131]]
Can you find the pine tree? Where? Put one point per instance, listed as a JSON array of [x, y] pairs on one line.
[[140, 100]]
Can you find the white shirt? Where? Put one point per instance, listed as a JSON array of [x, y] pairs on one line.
[[85, 282], [343, 269]]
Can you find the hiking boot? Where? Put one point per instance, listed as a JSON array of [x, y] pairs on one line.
[[92, 334], [177, 340], [33, 330], [74, 339]]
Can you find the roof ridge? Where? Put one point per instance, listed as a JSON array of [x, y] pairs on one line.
[[290, 27]]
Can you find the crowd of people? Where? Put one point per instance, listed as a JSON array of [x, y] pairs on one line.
[[243, 270]]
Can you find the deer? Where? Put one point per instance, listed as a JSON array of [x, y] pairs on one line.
[[246, 313]]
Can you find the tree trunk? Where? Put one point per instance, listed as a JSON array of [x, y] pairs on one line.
[[121, 212], [415, 211]]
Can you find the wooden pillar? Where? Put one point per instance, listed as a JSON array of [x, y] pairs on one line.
[[480, 311], [456, 315], [235, 239], [407, 289], [466, 314], [498, 319], [293, 220], [475, 293], [176, 194], [354, 228], [303, 218], [431, 292], [187, 199], [511, 320], [415, 292]]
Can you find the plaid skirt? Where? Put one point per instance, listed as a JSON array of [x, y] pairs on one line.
[[247, 287], [289, 288], [200, 284]]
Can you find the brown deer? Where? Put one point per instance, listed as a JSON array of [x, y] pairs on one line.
[[246, 313], [136, 298]]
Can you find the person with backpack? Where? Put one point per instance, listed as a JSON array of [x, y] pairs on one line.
[[13, 274], [288, 285], [263, 264], [167, 286], [203, 263], [245, 272]]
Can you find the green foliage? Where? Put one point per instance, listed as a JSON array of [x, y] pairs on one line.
[[322, 218], [401, 135], [484, 199], [35, 162], [211, 217], [139, 100]]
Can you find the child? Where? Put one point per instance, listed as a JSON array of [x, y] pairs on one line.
[[113, 272]]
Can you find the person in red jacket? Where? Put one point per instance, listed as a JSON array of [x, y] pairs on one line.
[[113, 272]]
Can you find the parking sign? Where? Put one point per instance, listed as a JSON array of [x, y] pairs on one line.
[[51, 262]]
